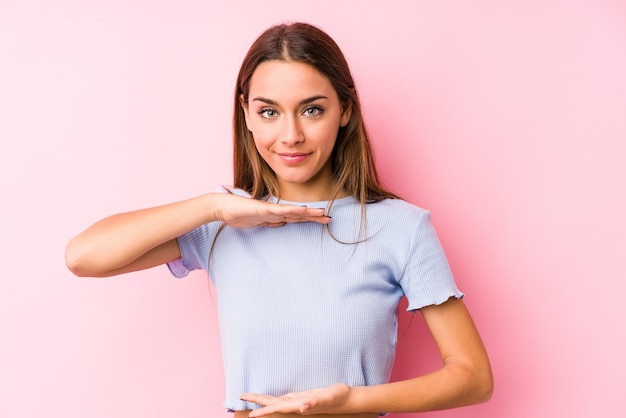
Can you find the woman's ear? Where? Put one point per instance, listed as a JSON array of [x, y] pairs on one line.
[[345, 115], [244, 106]]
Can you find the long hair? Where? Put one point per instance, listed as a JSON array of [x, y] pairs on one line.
[[352, 161]]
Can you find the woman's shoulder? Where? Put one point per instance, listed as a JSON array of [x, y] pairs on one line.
[[397, 207], [394, 216]]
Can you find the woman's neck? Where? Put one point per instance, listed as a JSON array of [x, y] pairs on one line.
[[322, 187], [304, 193]]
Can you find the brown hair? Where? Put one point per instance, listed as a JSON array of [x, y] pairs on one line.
[[352, 161]]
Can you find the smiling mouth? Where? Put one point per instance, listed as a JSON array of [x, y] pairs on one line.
[[293, 158]]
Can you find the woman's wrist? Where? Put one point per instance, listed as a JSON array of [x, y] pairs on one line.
[[212, 206], [357, 400]]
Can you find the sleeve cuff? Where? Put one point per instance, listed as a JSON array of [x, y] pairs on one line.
[[177, 268]]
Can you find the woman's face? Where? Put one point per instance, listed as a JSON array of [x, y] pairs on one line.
[[294, 114]]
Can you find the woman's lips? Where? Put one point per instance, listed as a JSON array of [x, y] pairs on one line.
[[293, 157]]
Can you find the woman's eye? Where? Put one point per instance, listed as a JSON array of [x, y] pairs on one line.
[[313, 111], [268, 113]]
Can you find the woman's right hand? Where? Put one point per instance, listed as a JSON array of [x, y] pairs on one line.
[[243, 212]]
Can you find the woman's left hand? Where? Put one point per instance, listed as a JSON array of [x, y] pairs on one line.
[[331, 399]]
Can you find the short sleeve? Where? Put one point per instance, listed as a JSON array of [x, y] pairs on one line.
[[194, 249], [427, 278], [195, 245]]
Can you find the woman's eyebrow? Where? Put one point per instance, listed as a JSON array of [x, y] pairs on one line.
[[302, 102]]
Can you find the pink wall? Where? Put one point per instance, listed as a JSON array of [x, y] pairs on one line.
[[506, 119]]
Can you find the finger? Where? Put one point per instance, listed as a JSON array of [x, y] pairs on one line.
[[280, 407], [303, 211], [275, 404], [320, 220], [293, 214], [275, 224], [258, 398]]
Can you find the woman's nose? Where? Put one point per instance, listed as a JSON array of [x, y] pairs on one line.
[[292, 133]]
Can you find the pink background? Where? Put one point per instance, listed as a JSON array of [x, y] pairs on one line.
[[507, 119]]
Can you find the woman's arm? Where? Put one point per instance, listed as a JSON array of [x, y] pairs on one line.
[[465, 377], [145, 238]]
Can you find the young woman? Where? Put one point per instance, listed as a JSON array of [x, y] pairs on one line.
[[309, 254]]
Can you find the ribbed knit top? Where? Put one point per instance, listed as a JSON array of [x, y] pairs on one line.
[[302, 307]]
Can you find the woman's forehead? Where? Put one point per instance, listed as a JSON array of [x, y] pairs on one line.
[[289, 80]]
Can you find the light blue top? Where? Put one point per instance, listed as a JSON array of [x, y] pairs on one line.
[[299, 309]]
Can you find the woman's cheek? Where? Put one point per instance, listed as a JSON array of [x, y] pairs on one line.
[[260, 135]]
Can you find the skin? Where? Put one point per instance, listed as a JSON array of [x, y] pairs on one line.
[[294, 114]]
